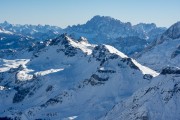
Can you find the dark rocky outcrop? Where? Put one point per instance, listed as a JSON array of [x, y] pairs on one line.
[[129, 62], [170, 70], [96, 80], [147, 76], [20, 94], [106, 71], [6, 118], [176, 52]]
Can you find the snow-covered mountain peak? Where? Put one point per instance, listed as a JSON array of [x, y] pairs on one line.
[[83, 45], [104, 52], [101, 52], [83, 39], [5, 23], [98, 17], [101, 26], [144, 69], [63, 43], [107, 30], [163, 52], [115, 51], [38, 32], [173, 32], [102, 20], [145, 26], [2, 31]]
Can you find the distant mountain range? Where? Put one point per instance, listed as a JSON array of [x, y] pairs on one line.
[[107, 30], [99, 30], [38, 32], [110, 28]]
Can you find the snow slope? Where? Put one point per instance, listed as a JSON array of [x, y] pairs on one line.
[[157, 101], [66, 79]]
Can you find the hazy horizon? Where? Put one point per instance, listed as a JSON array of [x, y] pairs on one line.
[[62, 13]]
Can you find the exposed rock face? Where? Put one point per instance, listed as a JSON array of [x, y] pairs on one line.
[[147, 76], [96, 80], [170, 70], [176, 52], [129, 62], [20, 95]]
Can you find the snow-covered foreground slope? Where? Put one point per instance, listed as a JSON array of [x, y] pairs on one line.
[[165, 51], [67, 79], [160, 100]]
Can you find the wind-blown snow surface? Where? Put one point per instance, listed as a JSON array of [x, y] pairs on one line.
[[66, 79]]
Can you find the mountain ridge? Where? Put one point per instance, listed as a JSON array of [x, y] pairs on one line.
[[164, 49], [66, 80], [98, 30]]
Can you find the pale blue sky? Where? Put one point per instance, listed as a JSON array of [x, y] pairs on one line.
[[69, 12]]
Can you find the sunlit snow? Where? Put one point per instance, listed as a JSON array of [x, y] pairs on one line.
[[42, 73]]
